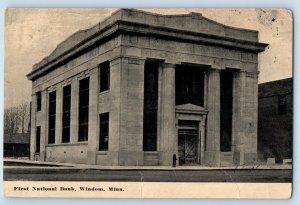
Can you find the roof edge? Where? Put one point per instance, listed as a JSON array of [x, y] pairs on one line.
[[116, 17]]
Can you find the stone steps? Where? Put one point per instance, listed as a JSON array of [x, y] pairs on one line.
[[150, 158]]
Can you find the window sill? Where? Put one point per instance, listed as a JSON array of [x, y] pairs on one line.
[[103, 92], [67, 144], [101, 152]]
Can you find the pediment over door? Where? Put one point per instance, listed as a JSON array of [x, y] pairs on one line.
[[190, 108]]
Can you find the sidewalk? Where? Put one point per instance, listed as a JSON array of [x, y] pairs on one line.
[[23, 164]]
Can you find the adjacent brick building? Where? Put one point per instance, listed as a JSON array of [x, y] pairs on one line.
[[139, 88], [275, 120]]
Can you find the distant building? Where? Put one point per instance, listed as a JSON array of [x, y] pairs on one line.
[[16, 145], [275, 120], [139, 88]]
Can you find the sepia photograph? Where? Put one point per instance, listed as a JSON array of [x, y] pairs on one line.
[[103, 100]]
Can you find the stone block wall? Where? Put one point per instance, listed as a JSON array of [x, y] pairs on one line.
[[67, 153]]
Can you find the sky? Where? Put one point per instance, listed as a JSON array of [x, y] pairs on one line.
[[32, 34]]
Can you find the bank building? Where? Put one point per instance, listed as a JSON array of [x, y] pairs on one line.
[[139, 89]]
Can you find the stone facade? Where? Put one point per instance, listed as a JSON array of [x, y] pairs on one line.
[[128, 39]]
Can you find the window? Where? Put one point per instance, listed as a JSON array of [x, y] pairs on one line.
[[104, 76], [104, 131], [38, 139], [282, 106], [66, 115], [189, 85], [84, 85], [150, 106], [39, 101], [226, 99], [52, 115]]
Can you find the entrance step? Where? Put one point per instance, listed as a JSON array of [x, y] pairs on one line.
[[150, 158]]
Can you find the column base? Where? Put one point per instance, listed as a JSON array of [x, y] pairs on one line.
[[237, 158], [241, 158], [107, 158], [212, 158], [166, 158], [250, 158], [131, 158], [226, 159], [42, 156]]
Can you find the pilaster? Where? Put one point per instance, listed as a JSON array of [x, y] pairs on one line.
[[58, 116], [132, 106], [44, 125], [245, 108], [74, 111], [93, 115]]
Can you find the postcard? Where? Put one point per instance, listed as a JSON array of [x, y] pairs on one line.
[[148, 103]]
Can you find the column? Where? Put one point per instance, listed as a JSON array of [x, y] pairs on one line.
[[168, 137], [251, 154], [74, 111], [93, 116], [239, 84], [212, 146]]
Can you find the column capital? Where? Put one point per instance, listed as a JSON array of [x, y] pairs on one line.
[[217, 64], [246, 74], [252, 74], [127, 59]]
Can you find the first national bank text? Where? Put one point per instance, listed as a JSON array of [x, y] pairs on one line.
[[68, 189]]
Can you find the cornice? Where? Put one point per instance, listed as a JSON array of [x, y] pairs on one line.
[[127, 27]]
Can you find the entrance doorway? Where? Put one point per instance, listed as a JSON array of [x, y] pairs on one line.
[[188, 142]]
